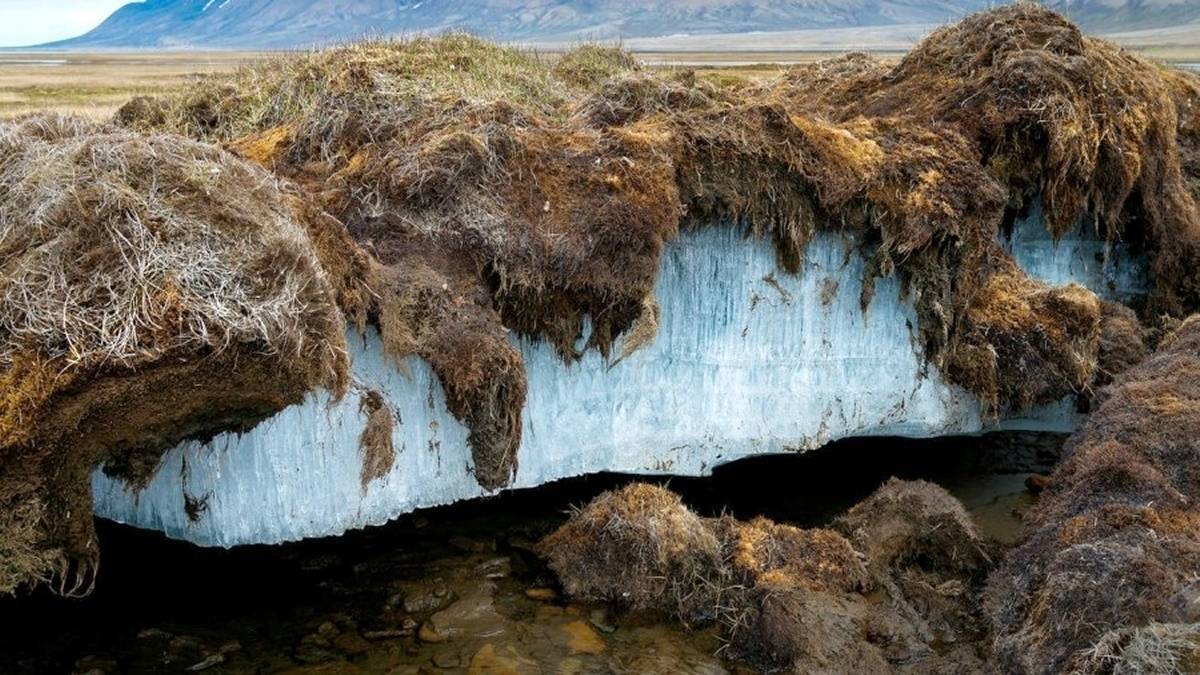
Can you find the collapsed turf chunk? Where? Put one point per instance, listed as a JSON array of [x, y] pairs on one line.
[[1112, 555], [786, 598]]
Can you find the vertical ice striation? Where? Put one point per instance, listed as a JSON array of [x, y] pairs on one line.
[[1112, 270], [748, 361]]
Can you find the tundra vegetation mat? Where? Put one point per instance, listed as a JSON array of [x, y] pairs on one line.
[[448, 191]]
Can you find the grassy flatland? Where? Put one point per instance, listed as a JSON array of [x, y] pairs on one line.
[[96, 84]]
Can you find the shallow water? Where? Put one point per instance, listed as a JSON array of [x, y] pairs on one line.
[[452, 589], [41, 63]]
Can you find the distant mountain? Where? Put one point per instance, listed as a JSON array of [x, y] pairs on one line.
[[267, 24], [1128, 15]]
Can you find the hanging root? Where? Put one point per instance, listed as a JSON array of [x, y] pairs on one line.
[[75, 576]]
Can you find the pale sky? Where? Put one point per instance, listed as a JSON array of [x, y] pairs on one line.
[[29, 22]]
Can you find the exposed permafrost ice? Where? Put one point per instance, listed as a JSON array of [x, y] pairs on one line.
[[748, 361], [1112, 270]]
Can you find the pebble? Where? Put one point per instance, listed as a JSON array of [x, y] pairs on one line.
[[581, 639], [429, 634], [447, 660], [216, 658], [599, 620], [351, 644], [496, 568], [487, 661], [387, 634], [541, 594], [212, 661], [425, 601]]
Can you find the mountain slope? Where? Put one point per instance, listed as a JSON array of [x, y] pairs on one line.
[[289, 23], [1127, 15]]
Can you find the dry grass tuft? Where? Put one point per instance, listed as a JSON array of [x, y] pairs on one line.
[[119, 249], [639, 548], [1167, 648]]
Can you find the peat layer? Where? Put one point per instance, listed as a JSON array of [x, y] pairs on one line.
[[450, 191]]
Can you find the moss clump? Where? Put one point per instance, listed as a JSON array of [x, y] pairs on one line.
[[375, 443], [590, 65], [639, 548]]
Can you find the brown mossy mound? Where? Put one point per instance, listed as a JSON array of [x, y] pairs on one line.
[[1023, 344], [637, 95], [794, 599], [785, 598], [548, 192], [590, 65], [1185, 91], [906, 523], [154, 289], [814, 559], [639, 548], [921, 544], [1093, 130], [1123, 342], [1113, 546]]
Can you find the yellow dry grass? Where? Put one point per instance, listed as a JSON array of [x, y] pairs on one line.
[[95, 85]]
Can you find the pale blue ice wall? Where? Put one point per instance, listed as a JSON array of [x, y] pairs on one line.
[[748, 361], [1112, 271]]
